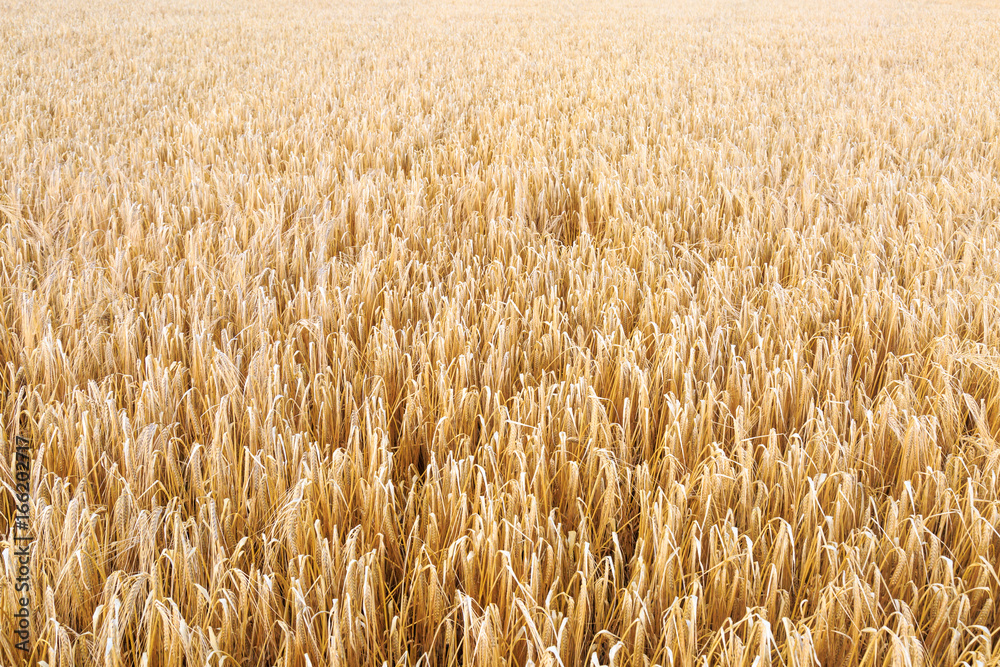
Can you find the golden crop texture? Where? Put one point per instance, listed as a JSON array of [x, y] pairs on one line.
[[502, 333]]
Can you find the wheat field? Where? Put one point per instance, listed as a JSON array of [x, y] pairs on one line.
[[490, 334]]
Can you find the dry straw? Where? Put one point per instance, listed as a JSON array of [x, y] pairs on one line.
[[503, 334]]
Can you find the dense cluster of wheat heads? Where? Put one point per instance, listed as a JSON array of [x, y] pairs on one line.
[[502, 334]]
